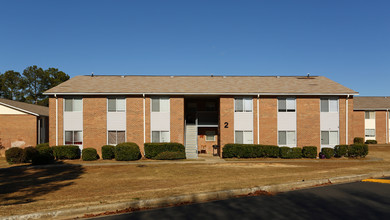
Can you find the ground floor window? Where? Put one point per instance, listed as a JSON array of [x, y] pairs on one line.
[[243, 137], [210, 135], [370, 132], [160, 136], [74, 137], [329, 137], [286, 138], [116, 137]]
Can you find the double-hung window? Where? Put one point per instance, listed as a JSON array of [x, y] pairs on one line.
[[329, 105], [160, 104], [73, 104], [286, 104], [116, 104], [369, 115], [160, 136], [210, 135], [243, 105], [286, 138], [243, 137], [370, 132], [329, 138], [74, 137], [116, 137]]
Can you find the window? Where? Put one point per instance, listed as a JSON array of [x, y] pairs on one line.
[[160, 104], [243, 105], [73, 105], [329, 137], [286, 138], [116, 104], [74, 137], [329, 105], [210, 135], [369, 115], [243, 137], [370, 132], [160, 136], [116, 137], [286, 105]]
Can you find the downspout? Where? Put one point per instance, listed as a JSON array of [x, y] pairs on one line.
[[55, 95], [258, 120], [387, 126], [346, 120], [144, 119], [39, 131]]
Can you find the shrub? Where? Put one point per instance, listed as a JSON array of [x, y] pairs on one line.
[[14, 155], [89, 154], [328, 152], [44, 155], [170, 155], [29, 153], [309, 152], [108, 152], [371, 142], [127, 151], [249, 151], [66, 152], [290, 153], [341, 150], [358, 140], [42, 145], [153, 149], [358, 150]]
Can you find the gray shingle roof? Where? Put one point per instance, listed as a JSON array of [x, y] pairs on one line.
[[36, 109], [371, 103]]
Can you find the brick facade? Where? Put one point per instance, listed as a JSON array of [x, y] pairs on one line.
[[20, 130], [94, 122], [380, 124], [358, 124], [135, 121], [268, 115], [308, 122], [226, 115], [177, 119]]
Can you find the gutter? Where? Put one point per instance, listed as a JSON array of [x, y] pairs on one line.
[[258, 120], [180, 93], [55, 95]]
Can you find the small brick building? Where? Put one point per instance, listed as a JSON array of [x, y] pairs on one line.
[[22, 124], [201, 111]]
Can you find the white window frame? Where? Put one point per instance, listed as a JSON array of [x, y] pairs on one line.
[[329, 100], [243, 104], [210, 133], [160, 136], [73, 98], [369, 114], [369, 136], [73, 142], [160, 98], [116, 103], [329, 144], [243, 138], [288, 109], [116, 136], [288, 144]]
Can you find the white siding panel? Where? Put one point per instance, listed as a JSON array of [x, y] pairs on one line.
[[160, 121], [73, 121], [243, 121], [4, 110], [369, 123], [287, 121], [116, 121], [329, 121]]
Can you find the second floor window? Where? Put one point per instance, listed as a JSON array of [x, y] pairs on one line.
[[286, 105], [329, 105], [73, 104], [116, 104], [243, 105], [369, 115], [160, 104]]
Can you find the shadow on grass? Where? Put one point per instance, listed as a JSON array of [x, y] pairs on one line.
[[23, 184]]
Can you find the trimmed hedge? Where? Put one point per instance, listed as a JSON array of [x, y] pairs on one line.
[[66, 152], [108, 152], [328, 152], [29, 153], [44, 155], [170, 155], [89, 154], [309, 152], [42, 145], [341, 150], [127, 151], [371, 142], [249, 151], [153, 149], [14, 155], [290, 153], [357, 150], [358, 140]]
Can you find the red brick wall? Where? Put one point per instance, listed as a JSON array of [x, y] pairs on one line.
[[177, 119], [342, 120], [350, 121], [308, 122], [207, 145], [255, 132], [358, 124], [94, 122], [380, 124], [268, 120], [226, 109], [18, 130], [147, 120], [52, 121], [135, 121]]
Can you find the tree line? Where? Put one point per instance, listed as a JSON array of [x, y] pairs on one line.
[[29, 86]]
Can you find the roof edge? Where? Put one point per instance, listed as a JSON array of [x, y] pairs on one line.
[[19, 109], [179, 93]]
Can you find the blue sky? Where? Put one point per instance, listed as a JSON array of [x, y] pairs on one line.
[[347, 41]]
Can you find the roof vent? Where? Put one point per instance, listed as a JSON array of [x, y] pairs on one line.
[[308, 75], [278, 77], [123, 76], [212, 75], [224, 76], [92, 74], [172, 76]]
